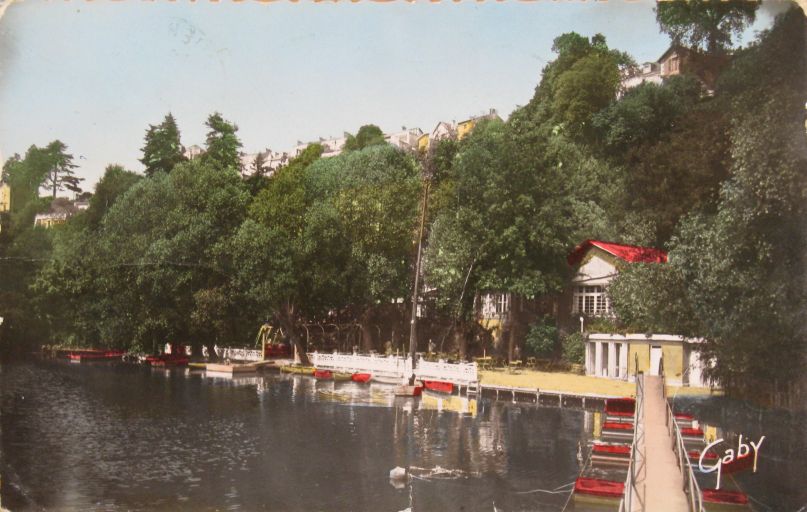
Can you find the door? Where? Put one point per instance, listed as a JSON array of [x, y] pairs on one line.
[[655, 360]]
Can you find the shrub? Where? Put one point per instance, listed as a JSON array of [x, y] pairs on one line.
[[542, 339], [574, 348]]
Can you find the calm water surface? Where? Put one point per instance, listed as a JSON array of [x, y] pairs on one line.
[[120, 437]]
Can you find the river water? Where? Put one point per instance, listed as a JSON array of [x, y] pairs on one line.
[[125, 437]]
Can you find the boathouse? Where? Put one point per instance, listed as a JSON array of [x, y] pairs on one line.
[[615, 356]]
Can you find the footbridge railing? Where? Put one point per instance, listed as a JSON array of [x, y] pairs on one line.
[[691, 487], [633, 498]]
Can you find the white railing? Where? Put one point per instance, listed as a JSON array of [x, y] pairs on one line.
[[396, 366], [691, 487], [458, 373], [239, 354], [633, 499], [390, 366]]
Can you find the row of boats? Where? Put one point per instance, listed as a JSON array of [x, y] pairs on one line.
[[438, 386], [611, 456], [179, 359], [99, 355]]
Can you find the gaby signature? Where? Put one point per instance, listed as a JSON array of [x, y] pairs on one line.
[[743, 450]]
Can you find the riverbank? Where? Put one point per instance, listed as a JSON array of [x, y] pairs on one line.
[[570, 383]]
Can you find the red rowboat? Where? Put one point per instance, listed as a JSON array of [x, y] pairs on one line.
[[83, 355], [361, 377], [323, 374], [602, 453], [725, 497], [612, 449], [612, 425], [598, 491], [695, 455], [692, 433], [439, 386]]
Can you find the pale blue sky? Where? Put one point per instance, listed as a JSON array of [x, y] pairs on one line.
[[95, 74]]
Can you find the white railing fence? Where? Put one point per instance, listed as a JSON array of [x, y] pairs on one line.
[[396, 366], [239, 354], [388, 366], [458, 373]]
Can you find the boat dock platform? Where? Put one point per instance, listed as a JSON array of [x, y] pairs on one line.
[[541, 396], [233, 368]]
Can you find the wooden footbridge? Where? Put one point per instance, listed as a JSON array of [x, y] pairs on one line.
[[659, 474]]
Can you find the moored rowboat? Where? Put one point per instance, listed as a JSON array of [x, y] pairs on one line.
[[303, 370], [361, 377], [617, 429], [724, 501], [109, 355], [323, 374], [439, 386], [598, 491], [605, 453]]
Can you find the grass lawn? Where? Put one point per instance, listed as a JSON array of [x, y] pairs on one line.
[[572, 383]]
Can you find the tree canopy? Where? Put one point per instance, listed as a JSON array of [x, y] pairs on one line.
[[706, 25], [368, 135]]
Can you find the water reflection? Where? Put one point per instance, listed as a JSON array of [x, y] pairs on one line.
[[777, 485], [119, 437]]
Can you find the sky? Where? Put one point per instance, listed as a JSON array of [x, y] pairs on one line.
[[95, 74]]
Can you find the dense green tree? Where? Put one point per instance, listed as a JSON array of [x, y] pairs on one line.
[[704, 24], [282, 252], [114, 183], [368, 135], [163, 149], [646, 112], [736, 274], [341, 229], [506, 224], [153, 271], [582, 80], [222, 149], [21, 257]]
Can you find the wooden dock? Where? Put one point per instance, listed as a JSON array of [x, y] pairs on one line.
[[547, 397], [237, 368]]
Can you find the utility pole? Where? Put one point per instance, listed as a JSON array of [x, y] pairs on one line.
[[413, 342]]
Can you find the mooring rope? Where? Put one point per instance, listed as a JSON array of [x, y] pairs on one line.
[[557, 490]]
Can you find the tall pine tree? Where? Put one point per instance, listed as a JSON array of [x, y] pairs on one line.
[[163, 149], [60, 173], [222, 143]]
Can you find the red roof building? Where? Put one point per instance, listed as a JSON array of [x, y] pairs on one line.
[[629, 253], [597, 263]]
